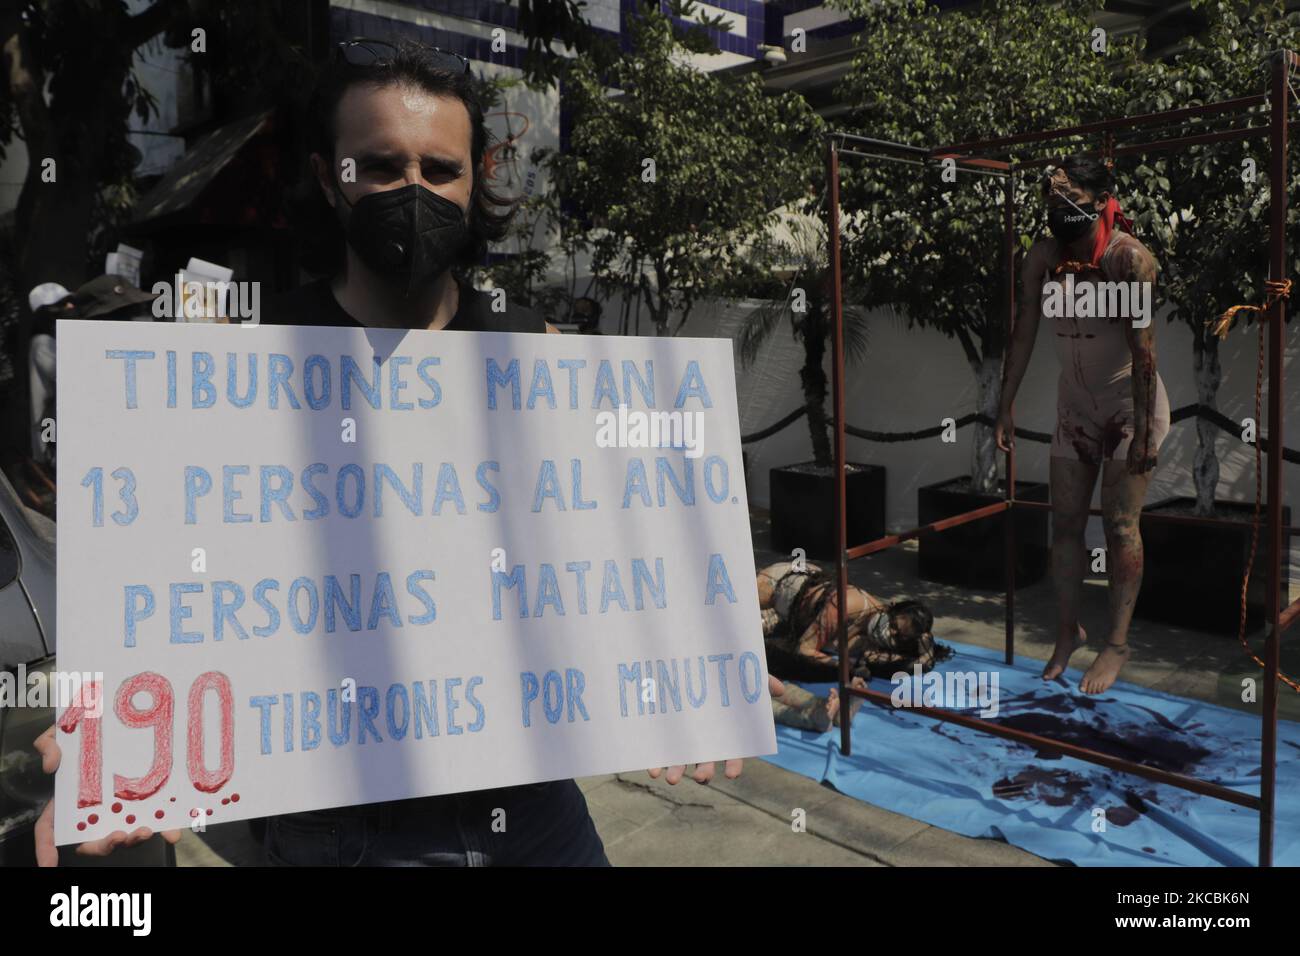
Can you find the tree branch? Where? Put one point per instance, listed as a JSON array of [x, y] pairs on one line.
[[26, 82], [968, 346]]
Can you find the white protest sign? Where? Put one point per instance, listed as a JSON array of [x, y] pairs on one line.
[[323, 567]]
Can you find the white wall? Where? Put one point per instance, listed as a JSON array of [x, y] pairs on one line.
[[913, 379]]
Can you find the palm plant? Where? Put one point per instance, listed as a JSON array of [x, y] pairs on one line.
[[804, 301]]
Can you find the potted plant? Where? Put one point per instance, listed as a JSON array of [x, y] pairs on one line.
[[794, 276]]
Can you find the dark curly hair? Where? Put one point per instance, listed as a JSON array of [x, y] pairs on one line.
[[921, 616], [1090, 173], [322, 236]]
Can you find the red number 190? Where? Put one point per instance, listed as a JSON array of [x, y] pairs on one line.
[[159, 716]]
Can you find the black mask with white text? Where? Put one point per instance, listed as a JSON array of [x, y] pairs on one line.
[[1068, 223], [410, 234]]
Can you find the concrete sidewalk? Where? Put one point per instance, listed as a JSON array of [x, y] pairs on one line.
[[741, 822], [748, 821]]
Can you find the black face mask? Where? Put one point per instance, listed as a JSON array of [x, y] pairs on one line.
[[410, 234], [1068, 223]]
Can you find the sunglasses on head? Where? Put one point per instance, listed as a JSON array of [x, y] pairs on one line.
[[364, 52]]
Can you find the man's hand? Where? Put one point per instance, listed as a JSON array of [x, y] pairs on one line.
[[704, 771], [1004, 433], [47, 854], [1139, 459]]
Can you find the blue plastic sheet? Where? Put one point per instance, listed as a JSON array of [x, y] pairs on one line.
[[1057, 807]]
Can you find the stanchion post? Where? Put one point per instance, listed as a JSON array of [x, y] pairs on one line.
[[837, 373]]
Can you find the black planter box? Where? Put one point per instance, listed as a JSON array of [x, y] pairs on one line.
[[803, 507], [1191, 575], [971, 555]]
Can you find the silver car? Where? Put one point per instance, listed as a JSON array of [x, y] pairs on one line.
[[27, 638]]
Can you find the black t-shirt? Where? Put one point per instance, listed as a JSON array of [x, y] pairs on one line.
[[314, 304]]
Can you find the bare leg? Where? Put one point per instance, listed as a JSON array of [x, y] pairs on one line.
[[1072, 484], [802, 709], [1122, 495], [855, 703]]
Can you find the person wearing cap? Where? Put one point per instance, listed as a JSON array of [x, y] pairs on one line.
[[105, 297], [47, 301]]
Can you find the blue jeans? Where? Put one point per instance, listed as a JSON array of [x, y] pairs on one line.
[[542, 824]]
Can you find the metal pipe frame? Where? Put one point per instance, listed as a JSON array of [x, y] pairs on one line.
[[1089, 129], [980, 166], [1277, 617]]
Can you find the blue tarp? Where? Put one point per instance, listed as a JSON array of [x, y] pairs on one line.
[[1061, 808]]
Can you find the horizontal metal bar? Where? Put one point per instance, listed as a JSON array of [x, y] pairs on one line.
[[913, 162], [892, 159], [1219, 136], [889, 540], [1201, 520], [1227, 135], [1289, 616], [1144, 119], [969, 161], [882, 143], [1195, 785]]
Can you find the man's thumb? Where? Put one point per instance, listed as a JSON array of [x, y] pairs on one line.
[[48, 748]]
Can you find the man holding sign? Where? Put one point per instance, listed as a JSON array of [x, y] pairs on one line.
[[334, 637]]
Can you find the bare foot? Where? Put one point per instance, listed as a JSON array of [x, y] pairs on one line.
[[1060, 658], [1104, 669], [855, 703], [832, 708]]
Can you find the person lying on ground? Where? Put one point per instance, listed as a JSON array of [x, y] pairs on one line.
[[799, 618]]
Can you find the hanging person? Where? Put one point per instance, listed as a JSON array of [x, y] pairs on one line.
[[1112, 408]]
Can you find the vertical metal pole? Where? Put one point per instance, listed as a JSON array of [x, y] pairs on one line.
[[1009, 516], [837, 388], [1276, 320]]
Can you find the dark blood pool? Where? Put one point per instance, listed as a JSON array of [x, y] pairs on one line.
[[1056, 788], [224, 801], [130, 818], [1147, 849], [209, 813], [81, 826], [1121, 816], [173, 799], [117, 808], [234, 798], [158, 814], [93, 818], [1164, 747]]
